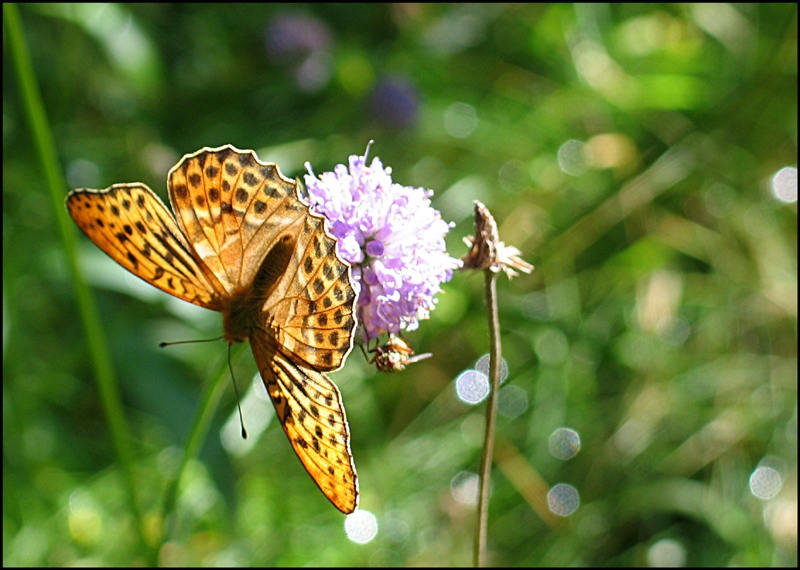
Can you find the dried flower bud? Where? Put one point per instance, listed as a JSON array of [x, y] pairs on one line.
[[486, 249]]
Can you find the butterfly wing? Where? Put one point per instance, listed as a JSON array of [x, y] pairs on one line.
[[233, 208], [310, 409], [306, 326], [132, 225], [312, 309]]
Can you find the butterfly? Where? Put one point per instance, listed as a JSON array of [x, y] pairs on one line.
[[243, 242]]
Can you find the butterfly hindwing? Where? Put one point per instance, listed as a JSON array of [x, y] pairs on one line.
[[314, 308], [310, 409]]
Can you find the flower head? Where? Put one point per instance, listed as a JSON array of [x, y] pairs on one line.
[[392, 237]]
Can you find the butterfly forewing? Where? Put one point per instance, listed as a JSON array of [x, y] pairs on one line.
[[232, 207], [244, 243], [132, 225]]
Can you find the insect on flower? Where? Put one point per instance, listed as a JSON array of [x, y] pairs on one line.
[[395, 355]]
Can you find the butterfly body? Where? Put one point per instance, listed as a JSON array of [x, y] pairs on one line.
[[244, 243], [242, 313]]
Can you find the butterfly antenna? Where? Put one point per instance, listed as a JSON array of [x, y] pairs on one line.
[[236, 389], [230, 367], [165, 344]]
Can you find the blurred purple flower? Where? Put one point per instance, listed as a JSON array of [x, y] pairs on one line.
[[395, 102], [291, 36], [392, 237], [303, 43]]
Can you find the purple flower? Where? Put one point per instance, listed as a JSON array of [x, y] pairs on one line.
[[391, 236], [303, 44], [395, 102], [291, 36]]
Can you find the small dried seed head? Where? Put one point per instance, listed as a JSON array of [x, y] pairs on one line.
[[486, 249]]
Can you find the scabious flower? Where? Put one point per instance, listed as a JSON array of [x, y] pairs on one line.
[[392, 237]]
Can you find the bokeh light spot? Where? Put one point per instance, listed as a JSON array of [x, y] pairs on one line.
[[460, 120], [574, 157], [396, 526], [512, 401], [765, 482], [472, 386], [784, 185], [361, 526], [666, 553], [551, 346], [564, 443], [482, 366], [563, 499], [514, 176], [464, 488]]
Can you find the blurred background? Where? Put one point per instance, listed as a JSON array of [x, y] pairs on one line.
[[642, 157]]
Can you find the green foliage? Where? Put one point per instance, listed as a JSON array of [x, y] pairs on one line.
[[627, 150]]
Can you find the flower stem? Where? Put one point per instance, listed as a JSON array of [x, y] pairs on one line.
[[491, 418]]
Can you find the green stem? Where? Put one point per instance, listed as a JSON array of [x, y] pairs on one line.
[[209, 402], [491, 418]]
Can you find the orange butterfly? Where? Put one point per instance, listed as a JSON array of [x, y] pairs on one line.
[[244, 243]]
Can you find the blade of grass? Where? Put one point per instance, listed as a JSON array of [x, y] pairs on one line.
[[42, 135]]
